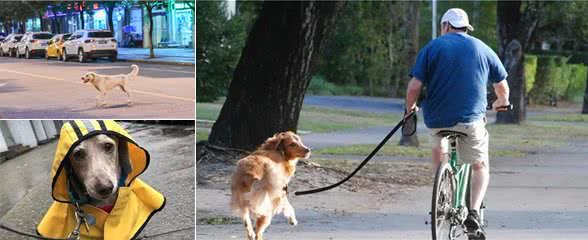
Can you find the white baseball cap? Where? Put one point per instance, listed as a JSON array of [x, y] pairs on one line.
[[458, 18]]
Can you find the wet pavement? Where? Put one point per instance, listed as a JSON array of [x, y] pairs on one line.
[[25, 186]]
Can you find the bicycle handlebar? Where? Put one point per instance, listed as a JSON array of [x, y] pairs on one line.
[[501, 108]]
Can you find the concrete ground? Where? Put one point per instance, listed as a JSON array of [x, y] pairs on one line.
[[36, 88], [25, 186], [540, 196], [174, 56]]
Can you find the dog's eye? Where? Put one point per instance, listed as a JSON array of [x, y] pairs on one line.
[[108, 147], [293, 145], [79, 155]]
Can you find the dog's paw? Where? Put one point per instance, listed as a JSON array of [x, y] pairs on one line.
[[292, 221], [251, 236]]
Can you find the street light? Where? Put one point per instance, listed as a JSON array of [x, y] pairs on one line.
[[434, 18]]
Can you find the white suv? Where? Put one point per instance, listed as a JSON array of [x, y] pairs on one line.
[[33, 43], [8, 47], [90, 44]]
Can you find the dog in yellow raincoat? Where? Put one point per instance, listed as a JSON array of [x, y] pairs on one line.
[[135, 204]]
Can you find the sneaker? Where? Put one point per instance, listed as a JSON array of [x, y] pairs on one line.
[[474, 227]]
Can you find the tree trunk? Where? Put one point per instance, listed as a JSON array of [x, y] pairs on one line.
[[281, 53], [413, 37], [150, 13], [110, 13], [585, 105], [514, 31], [82, 18], [54, 20]]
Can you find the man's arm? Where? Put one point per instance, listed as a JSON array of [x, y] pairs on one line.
[[502, 92], [412, 94]]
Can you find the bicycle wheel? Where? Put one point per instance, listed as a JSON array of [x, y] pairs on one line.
[[441, 203]]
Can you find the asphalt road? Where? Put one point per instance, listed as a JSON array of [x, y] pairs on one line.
[[25, 182], [36, 88]]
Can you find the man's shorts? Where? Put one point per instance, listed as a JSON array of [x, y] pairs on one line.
[[471, 149]]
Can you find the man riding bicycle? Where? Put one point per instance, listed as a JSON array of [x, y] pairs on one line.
[[455, 68]]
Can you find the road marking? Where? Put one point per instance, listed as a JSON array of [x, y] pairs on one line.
[[135, 91]]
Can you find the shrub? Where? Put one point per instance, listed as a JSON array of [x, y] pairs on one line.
[[320, 86], [577, 81], [530, 71]]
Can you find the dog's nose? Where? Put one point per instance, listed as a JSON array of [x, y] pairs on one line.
[[307, 150], [104, 189]]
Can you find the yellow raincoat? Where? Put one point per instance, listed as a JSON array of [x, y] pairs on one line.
[[136, 201]]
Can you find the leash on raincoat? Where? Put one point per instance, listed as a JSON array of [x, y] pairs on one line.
[[367, 159]]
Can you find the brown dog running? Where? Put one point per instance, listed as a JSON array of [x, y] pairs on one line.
[[259, 184]]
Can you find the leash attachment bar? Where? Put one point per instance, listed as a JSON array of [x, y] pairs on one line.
[[365, 161]]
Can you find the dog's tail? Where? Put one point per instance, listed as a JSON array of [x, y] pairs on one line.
[[135, 71]]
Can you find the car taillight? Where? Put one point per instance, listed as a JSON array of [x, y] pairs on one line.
[[33, 41], [89, 40]]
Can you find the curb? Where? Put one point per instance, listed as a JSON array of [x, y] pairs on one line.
[[157, 62]]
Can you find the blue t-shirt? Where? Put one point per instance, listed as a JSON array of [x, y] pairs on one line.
[[455, 68]]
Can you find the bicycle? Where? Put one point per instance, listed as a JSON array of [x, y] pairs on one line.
[[451, 193]]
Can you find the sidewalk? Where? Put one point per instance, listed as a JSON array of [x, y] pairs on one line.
[[174, 56]]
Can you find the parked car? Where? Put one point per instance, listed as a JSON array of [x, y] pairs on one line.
[[55, 46], [90, 44], [8, 47], [33, 43]]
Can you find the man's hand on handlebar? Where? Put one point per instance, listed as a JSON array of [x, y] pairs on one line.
[[501, 105], [408, 112]]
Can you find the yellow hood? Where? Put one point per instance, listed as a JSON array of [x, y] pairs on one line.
[[136, 201]]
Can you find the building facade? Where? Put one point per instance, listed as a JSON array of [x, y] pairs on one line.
[[173, 25], [19, 135]]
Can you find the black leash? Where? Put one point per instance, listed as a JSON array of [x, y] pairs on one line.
[[367, 159], [14, 230]]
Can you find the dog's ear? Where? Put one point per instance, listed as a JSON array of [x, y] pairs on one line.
[[123, 157], [274, 143]]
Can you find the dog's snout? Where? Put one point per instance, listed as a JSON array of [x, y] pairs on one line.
[[104, 188], [307, 150]]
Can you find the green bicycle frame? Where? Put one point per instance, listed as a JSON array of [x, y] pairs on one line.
[[461, 175]]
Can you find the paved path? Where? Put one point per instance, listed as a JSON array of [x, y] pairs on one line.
[[25, 186], [37, 88], [540, 196], [368, 104]]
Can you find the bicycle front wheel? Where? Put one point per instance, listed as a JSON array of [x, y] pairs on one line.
[[441, 203]]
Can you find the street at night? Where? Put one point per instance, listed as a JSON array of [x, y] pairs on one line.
[[36, 88]]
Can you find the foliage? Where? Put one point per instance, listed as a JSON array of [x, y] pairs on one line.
[[220, 42], [577, 81], [319, 86], [530, 71], [555, 78]]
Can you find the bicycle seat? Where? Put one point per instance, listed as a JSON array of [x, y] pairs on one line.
[[449, 133]]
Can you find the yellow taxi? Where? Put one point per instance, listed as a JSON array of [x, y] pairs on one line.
[[55, 46]]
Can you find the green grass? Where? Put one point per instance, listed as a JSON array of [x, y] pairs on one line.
[[208, 111], [533, 135], [318, 119], [201, 135], [401, 151], [563, 117]]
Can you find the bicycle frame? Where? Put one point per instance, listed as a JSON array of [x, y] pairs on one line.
[[461, 173]]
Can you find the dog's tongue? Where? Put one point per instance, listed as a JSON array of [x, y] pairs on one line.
[[107, 208]]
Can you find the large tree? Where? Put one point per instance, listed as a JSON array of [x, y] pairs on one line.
[[271, 78], [516, 23]]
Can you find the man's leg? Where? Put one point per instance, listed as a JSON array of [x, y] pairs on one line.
[[479, 184], [474, 149], [440, 148]]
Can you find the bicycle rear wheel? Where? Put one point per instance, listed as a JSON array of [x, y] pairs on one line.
[[441, 203]]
